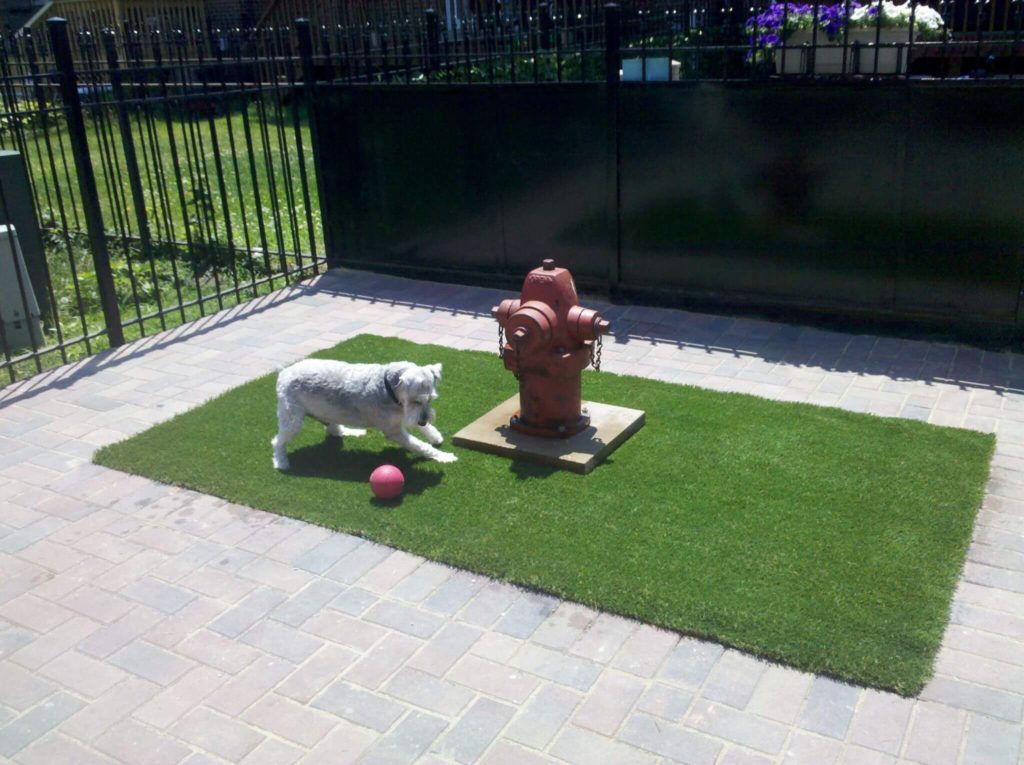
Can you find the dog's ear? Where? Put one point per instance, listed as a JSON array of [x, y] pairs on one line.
[[404, 377], [435, 370]]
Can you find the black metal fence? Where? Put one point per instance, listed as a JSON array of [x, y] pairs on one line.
[[176, 173], [171, 176]]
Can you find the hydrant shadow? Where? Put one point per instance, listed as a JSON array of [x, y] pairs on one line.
[[525, 471]]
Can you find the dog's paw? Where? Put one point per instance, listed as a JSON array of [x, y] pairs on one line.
[[436, 439], [281, 464], [446, 457]]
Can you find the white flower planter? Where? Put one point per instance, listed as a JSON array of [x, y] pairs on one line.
[[657, 69], [860, 55]]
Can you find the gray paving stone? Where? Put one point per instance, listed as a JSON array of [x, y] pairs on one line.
[[281, 640], [152, 663], [421, 582], [581, 747], [505, 753], [20, 688], [55, 748], [403, 618], [445, 648], [83, 675], [248, 686], [407, 741], [428, 692], [336, 627], [249, 610], [935, 734], [809, 749], [218, 734], [739, 727], [543, 716], [358, 705], [829, 708], [382, 661], [991, 742], [111, 708], [733, 678], [361, 559], [453, 594], [608, 703], [476, 730], [880, 721], [497, 680], [665, 701], [170, 704], [342, 746], [690, 662], [289, 720], [645, 650], [329, 663], [217, 651], [672, 741], [490, 604], [131, 742], [738, 756], [565, 626], [567, 670], [37, 722], [975, 698], [780, 694], [109, 639], [273, 752], [159, 595], [855, 755], [526, 615], [353, 601]]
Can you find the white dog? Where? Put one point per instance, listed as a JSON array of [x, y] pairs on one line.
[[347, 398]]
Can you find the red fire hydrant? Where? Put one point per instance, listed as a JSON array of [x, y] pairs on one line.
[[550, 341]]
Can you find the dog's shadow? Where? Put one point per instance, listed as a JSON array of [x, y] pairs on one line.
[[329, 460]]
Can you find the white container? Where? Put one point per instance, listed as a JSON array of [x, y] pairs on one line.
[[657, 70], [23, 326], [860, 59]]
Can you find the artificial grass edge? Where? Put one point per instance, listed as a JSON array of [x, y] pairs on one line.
[[125, 456]]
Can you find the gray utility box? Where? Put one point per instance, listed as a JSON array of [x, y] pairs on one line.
[[19, 310], [18, 209]]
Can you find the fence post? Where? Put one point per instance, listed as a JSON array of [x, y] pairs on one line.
[[613, 63], [433, 39], [128, 144], [544, 10], [309, 90], [61, 47]]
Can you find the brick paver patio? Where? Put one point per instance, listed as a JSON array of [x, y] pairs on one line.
[[145, 624]]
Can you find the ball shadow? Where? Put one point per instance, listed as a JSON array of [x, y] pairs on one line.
[[328, 459]]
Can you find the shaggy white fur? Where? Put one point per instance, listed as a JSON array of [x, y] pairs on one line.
[[347, 398]]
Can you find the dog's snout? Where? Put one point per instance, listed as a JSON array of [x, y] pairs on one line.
[[423, 420]]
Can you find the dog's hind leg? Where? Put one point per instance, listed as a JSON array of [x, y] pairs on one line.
[[289, 423], [338, 431]]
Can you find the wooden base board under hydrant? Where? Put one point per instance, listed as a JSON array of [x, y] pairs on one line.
[[610, 426]]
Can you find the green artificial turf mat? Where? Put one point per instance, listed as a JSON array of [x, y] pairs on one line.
[[824, 539]]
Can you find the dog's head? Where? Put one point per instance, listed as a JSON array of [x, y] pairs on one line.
[[415, 388]]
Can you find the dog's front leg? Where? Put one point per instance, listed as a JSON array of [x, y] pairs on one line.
[[413, 444], [432, 434]]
